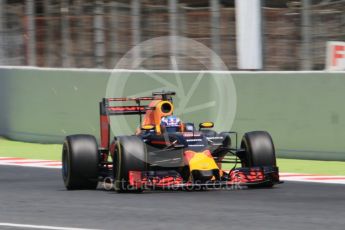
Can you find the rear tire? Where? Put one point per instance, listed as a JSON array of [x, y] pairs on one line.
[[259, 152], [130, 155], [80, 160]]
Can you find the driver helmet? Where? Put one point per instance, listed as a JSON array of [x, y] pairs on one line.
[[171, 124]]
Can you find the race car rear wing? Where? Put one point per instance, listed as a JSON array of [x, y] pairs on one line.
[[106, 110], [138, 109]]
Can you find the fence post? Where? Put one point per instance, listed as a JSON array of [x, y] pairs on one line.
[[2, 28], [215, 35], [249, 34], [113, 33], [49, 34], [136, 33], [65, 33], [173, 29], [306, 36], [31, 32], [99, 34], [79, 42]]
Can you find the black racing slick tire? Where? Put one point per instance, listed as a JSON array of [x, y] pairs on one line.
[[130, 155], [80, 160], [259, 149], [259, 152]]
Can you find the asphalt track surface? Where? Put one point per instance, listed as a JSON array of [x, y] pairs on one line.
[[36, 196]]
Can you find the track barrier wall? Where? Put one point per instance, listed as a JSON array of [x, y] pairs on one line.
[[303, 111]]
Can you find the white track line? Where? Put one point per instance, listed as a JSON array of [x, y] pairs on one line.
[[41, 227]]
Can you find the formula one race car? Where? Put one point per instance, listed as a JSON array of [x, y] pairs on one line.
[[165, 153]]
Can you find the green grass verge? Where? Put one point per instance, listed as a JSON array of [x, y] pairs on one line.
[[53, 152], [314, 167], [29, 150]]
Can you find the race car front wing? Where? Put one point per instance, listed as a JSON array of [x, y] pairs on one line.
[[233, 179]]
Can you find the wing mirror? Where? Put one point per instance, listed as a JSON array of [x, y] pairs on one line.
[[206, 125]]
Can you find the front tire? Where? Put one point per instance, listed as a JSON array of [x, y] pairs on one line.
[[130, 155], [80, 160], [259, 149], [259, 152]]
